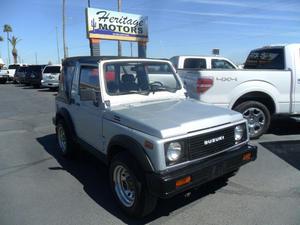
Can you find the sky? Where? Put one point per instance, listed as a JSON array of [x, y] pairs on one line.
[[176, 27]]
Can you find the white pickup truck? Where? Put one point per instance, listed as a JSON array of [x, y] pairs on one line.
[[268, 85], [202, 62]]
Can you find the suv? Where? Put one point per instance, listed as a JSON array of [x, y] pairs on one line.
[[20, 74], [33, 75], [134, 115], [51, 76]]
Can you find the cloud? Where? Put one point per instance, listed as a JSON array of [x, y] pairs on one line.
[[228, 15], [267, 5]]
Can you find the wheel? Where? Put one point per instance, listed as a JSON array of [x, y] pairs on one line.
[[257, 115], [53, 89], [65, 142], [36, 85], [129, 187], [3, 81]]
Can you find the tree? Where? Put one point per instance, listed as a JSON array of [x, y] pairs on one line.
[[7, 28], [14, 40], [1, 40]]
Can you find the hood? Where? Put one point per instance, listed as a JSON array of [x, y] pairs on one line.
[[172, 118]]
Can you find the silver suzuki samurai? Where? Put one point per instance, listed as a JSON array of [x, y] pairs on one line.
[[134, 115]]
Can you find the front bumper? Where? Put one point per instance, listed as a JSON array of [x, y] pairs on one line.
[[164, 185]]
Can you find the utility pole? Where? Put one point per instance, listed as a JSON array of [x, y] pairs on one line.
[[64, 30], [119, 42], [89, 3], [36, 62], [57, 47]]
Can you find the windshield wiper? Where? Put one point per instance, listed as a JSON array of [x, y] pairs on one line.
[[135, 92], [155, 88]]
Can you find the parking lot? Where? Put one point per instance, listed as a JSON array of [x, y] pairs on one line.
[[38, 186]]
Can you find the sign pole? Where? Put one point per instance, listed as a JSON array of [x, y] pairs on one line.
[[142, 49], [119, 42]]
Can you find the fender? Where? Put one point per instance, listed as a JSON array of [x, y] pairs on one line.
[[64, 114], [254, 86], [133, 147]]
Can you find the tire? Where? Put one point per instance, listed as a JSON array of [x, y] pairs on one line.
[[138, 202], [257, 115], [2, 81], [66, 144], [36, 85]]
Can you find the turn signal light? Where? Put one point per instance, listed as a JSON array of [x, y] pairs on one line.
[[183, 181], [247, 156]]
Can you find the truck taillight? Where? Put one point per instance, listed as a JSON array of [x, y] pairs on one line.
[[204, 83]]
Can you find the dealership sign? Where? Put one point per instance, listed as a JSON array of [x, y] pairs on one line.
[[110, 25]]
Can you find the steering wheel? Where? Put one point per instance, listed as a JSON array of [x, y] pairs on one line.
[[156, 83]]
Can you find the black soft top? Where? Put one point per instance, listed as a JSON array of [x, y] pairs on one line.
[[96, 59]]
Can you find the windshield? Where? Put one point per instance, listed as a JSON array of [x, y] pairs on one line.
[[265, 59], [52, 69], [139, 77]]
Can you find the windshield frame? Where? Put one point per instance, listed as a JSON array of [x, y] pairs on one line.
[[139, 61]]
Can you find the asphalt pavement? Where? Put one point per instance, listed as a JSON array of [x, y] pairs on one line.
[[38, 186]]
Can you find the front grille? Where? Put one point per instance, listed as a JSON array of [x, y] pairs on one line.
[[198, 149]]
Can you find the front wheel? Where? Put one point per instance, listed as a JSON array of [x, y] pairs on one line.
[[129, 187], [257, 115], [64, 139]]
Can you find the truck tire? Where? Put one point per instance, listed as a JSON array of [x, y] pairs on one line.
[[66, 144], [3, 81], [129, 187], [257, 115]]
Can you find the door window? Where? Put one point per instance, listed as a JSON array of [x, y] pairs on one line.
[[89, 82], [194, 63], [221, 64]]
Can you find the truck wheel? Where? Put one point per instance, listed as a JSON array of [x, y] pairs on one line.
[[64, 139], [129, 187], [2, 81], [257, 115]]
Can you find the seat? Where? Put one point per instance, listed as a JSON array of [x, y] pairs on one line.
[[128, 83]]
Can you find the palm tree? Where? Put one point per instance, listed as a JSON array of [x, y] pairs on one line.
[[14, 40], [1, 40], [7, 28]]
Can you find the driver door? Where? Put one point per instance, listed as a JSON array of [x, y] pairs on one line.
[[88, 116]]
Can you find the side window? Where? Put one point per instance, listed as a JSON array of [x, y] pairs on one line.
[[74, 88], [89, 82], [174, 61], [221, 64], [194, 63]]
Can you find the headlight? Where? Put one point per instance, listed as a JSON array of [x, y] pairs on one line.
[[240, 133], [173, 151]]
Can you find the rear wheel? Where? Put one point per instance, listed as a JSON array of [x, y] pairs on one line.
[[257, 115], [3, 81], [129, 187]]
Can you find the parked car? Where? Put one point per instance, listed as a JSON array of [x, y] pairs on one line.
[[51, 76], [202, 62], [4, 77], [133, 114], [268, 85], [20, 74], [33, 75]]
